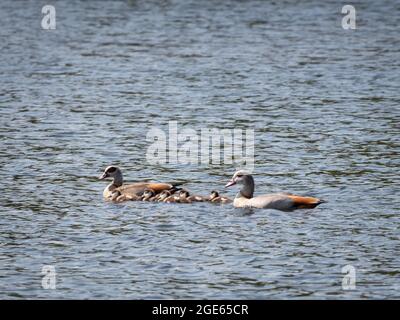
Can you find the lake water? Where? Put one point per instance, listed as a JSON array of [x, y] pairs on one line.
[[324, 106]]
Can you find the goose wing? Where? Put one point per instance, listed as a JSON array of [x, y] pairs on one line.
[[284, 202], [300, 202], [138, 188], [272, 201]]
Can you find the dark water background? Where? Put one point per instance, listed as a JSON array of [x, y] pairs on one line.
[[324, 106]]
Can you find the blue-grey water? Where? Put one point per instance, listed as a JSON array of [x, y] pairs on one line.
[[324, 106]]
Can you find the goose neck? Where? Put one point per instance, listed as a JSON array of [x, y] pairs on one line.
[[247, 190], [118, 180]]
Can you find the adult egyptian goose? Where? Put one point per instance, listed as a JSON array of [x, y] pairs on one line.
[[117, 191], [279, 201], [216, 198]]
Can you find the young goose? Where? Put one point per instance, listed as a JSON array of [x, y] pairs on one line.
[[164, 195], [132, 191], [186, 197], [279, 201], [148, 195], [116, 196], [156, 198], [183, 197], [215, 197]]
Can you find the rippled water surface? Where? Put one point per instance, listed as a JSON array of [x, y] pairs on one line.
[[323, 103]]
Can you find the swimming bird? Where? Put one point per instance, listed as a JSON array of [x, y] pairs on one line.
[[167, 196], [215, 197], [183, 196], [116, 196], [186, 197], [148, 195], [279, 201], [118, 191]]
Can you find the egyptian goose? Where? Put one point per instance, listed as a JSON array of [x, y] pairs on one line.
[[117, 191], [148, 195], [186, 197], [116, 196], [183, 196], [167, 196], [279, 201], [215, 197]]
